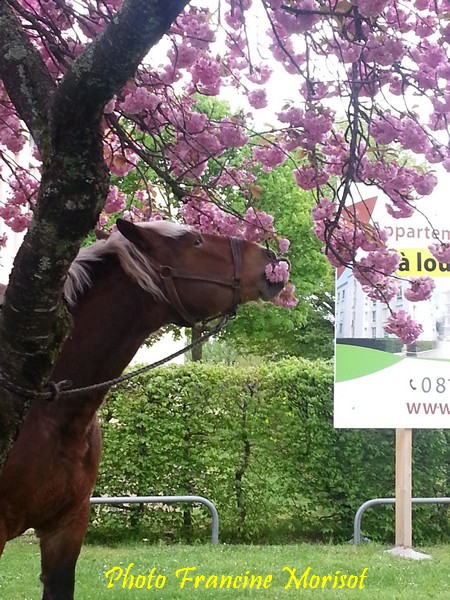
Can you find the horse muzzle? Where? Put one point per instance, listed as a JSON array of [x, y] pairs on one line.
[[270, 289]]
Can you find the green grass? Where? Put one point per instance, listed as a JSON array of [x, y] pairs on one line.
[[387, 577], [357, 361]]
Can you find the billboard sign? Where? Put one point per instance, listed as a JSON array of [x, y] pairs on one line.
[[380, 382]]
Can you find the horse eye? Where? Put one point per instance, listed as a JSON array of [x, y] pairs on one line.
[[198, 242]]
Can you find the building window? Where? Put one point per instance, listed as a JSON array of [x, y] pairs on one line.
[[374, 332]]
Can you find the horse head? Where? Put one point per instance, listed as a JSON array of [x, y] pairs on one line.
[[203, 275]]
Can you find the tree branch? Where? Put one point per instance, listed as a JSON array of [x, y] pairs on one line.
[[24, 75], [113, 57]]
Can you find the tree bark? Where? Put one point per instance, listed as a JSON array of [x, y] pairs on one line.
[[197, 351], [65, 120]]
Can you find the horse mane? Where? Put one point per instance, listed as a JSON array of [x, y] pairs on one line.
[[132, 260]]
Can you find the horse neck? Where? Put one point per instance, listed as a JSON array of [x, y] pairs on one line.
[[110, 322]]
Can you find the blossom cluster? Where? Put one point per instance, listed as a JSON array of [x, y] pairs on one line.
[[16, 212], [421, 288], [403, 326], [279, 271]]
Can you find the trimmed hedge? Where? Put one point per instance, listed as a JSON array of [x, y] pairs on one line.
[[393, 345], [259, 443]]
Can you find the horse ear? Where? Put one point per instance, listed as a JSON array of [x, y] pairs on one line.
[[131, 232]]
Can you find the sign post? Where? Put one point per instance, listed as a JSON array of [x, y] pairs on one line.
[[403, 488]]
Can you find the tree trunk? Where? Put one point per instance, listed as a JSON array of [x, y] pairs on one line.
[[65, 121], [197, 351]]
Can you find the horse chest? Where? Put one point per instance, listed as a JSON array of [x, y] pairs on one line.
[[51, 474]]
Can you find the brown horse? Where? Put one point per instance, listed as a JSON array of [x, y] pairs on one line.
[[118, 291]]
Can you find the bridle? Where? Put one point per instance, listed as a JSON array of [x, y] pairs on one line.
[[169, 274]]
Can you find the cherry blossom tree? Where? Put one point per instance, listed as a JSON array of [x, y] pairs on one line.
[[366, 76]]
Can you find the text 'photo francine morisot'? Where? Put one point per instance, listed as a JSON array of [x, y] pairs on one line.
[[380, 382]]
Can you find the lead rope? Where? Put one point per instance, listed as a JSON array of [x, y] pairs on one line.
[[63, 389]]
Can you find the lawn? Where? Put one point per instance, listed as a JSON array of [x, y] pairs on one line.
[[273, 568]]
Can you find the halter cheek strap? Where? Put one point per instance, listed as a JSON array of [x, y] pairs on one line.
[[168, 274]]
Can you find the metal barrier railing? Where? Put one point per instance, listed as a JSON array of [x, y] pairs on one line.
[[165, 500], [377, 501]]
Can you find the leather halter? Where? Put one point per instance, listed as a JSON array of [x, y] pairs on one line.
[[168, 274]]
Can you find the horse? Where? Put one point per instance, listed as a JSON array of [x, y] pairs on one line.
[[118, 291]]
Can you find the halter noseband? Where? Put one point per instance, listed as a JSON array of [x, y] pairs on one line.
[[168, 274]]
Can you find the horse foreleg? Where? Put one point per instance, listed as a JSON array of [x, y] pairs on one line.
[[60, 548], [3, 537]]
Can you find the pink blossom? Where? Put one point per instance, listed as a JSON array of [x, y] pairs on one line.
[[277, 271], [324, 210], [138, 101], [413, 137], [309, 178], [258, 98], [373, 269], [11, 132], [110, 106], [385, 52], [194, 25], [436, 154], [342, 244], [286, 297], [209, 218], [400, 208], [257, 225], [15, 218], [347, 51], [195, 123], [183, 56], [300, 23], [433, 55], [115, 200], [316, 124], [420, 288], [231, 135], [206, 75], [270, 156], [403, 326], [283, 245], [385, 129], [425, 183], [293, 116], [371, 8], [236, 176], [23, 187], [441, 251], [384, 290], [260, 74]]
